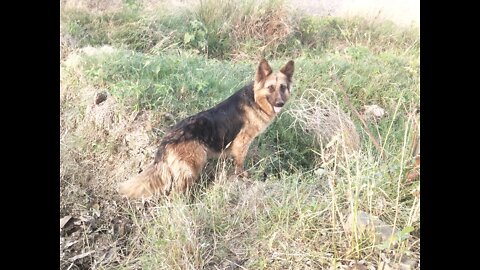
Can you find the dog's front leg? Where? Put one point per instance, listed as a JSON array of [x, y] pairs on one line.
[[239, 152]]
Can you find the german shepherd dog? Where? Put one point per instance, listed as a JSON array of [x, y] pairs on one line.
[[228, 128]]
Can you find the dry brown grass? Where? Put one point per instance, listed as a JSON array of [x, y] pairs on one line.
[[258, 26], [101, 144], [270, 28], [295, 221], [319, 112], [119, 142], [94, 6]]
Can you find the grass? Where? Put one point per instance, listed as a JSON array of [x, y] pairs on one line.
[[160, 65]]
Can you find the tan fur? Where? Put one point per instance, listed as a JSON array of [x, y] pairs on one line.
[[182, 166], [257, 123], [182, 162], [261, 91]]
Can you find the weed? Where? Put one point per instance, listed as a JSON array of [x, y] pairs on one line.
[[158, 64]]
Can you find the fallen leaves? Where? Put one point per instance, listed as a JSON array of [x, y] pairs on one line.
[[93, 237], [76, 257], [415, 171], [64, 221]]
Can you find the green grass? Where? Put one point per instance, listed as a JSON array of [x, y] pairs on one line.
[[232, 29], [181, 62]]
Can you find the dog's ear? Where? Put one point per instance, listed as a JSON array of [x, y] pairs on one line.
[[263, 71], [288, 69]]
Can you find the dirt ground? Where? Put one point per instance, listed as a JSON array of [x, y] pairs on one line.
[[401, 12], [96, 227], [98, 150]]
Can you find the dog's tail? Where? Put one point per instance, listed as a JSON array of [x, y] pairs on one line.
[[151, 181], [177, 169]]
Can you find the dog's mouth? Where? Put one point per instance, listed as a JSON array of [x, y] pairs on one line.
[[277, 109]]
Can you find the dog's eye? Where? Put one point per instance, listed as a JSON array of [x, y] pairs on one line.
[[283, 87], [271, 88]]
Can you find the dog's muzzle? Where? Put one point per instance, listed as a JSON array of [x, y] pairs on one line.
[[278, 107]]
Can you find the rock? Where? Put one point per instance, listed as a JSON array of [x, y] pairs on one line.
[[357, 266], [383, 230], [409, 264], [319, 172], [373, 111], [365, 223], [362, 220]]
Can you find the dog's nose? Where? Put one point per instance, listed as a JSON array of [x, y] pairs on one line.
[[279, 104]]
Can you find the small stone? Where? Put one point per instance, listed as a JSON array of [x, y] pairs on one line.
[[365, 222], [373, 111]]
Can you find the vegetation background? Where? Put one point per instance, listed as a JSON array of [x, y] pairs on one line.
[[334, 181]]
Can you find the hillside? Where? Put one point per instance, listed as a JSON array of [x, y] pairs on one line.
[[334, 181]]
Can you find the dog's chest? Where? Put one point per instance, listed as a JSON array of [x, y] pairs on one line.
[[255, 123]]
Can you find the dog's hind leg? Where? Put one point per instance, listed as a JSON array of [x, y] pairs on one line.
[[186, 161]]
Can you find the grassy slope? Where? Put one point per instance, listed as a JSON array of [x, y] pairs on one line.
[[178, 63]]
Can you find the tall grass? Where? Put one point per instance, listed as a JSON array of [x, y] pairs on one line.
[[161, 65], [233, 29]]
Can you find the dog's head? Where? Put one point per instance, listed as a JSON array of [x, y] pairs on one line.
[[272, 90]]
